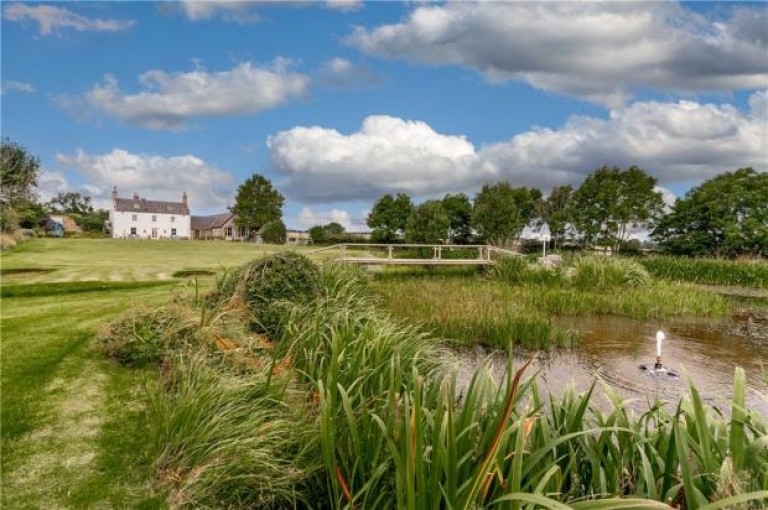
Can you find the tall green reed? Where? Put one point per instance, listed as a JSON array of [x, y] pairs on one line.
[[711, 271]]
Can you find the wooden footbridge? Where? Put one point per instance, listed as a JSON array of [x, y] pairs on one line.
[[368, 254]]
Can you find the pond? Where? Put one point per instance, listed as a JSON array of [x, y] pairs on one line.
[[612, 348]]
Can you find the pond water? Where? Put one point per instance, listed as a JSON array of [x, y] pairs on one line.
[[612, 348]]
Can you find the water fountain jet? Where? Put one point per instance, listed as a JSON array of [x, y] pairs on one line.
[[658, 369]]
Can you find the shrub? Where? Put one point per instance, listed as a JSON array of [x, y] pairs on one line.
[[518, 270], [510, 269], [265, 285], [143, 337], [274, 232], [607, 272]]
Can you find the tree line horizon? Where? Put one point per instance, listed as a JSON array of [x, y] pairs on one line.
[[725, 216]]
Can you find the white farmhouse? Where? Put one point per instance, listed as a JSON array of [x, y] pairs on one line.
[[139, 218]]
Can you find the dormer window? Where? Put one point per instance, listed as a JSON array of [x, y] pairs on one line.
[[136, 205]]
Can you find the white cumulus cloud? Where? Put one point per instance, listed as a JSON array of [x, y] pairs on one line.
[[50, 183], [228, 10], [308, 218], [344, 5], [153, 177], [245, 12], [54, 20], [169, 100], [17, 86], [342, 73], [679, 142], [388, 153], [599, 51]]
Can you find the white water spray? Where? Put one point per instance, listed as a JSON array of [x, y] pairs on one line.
[[659, 339]]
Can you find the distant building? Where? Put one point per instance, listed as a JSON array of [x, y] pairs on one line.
[[298, 237], [138, 218], [219, 227], [52, 227], [58, 225]]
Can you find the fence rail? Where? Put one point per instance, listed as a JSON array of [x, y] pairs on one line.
[[349, 253]]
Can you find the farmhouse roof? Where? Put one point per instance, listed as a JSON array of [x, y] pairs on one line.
[[210, 222], [143, 205]]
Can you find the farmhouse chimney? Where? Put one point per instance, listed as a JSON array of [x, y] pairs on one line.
[[114, 196], [184, 198]]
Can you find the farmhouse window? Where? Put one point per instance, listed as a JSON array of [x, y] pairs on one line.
[[135, 217], [154, 233], [173, 232], [133, 231], [229, 231], [173, 219], [154, 218]]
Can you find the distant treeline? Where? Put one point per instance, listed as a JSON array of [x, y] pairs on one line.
[[726, 216]]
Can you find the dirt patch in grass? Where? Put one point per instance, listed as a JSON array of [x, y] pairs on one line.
[[20, 273], [186, 273]]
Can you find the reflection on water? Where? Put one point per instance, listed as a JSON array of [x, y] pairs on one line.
[[613, 347]]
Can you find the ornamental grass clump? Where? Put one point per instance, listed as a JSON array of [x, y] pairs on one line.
[[143, 337], [226, 440], [519, 271], [268, 287], [608, 272]]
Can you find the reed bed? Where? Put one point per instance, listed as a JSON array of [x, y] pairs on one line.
[[397, 431], [708, 271], [347, 407], [475, 310]]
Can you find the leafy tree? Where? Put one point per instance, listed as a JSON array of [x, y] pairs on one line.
[[555, 212], [317, 235], [19, 171], [92, 222], [334, 229], [257, 203], [389, 216], [724, 216], [71, 202], [611, 203], [501, 212], [428, 223], [459, 211], [29, 214], [274, 232], [332, 232]]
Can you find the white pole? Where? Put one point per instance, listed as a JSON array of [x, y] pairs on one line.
[[544, 248]]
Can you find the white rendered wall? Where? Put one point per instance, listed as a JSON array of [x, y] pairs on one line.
[[122, 222]]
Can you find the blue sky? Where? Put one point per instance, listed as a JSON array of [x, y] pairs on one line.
[[340, 102]]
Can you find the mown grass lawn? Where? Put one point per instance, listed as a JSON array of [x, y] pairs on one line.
[[72, 422]]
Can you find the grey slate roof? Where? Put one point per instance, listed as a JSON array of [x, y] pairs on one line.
[[211, 222], [150, 206]]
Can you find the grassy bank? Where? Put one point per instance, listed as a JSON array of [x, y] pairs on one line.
[[73, 423]]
